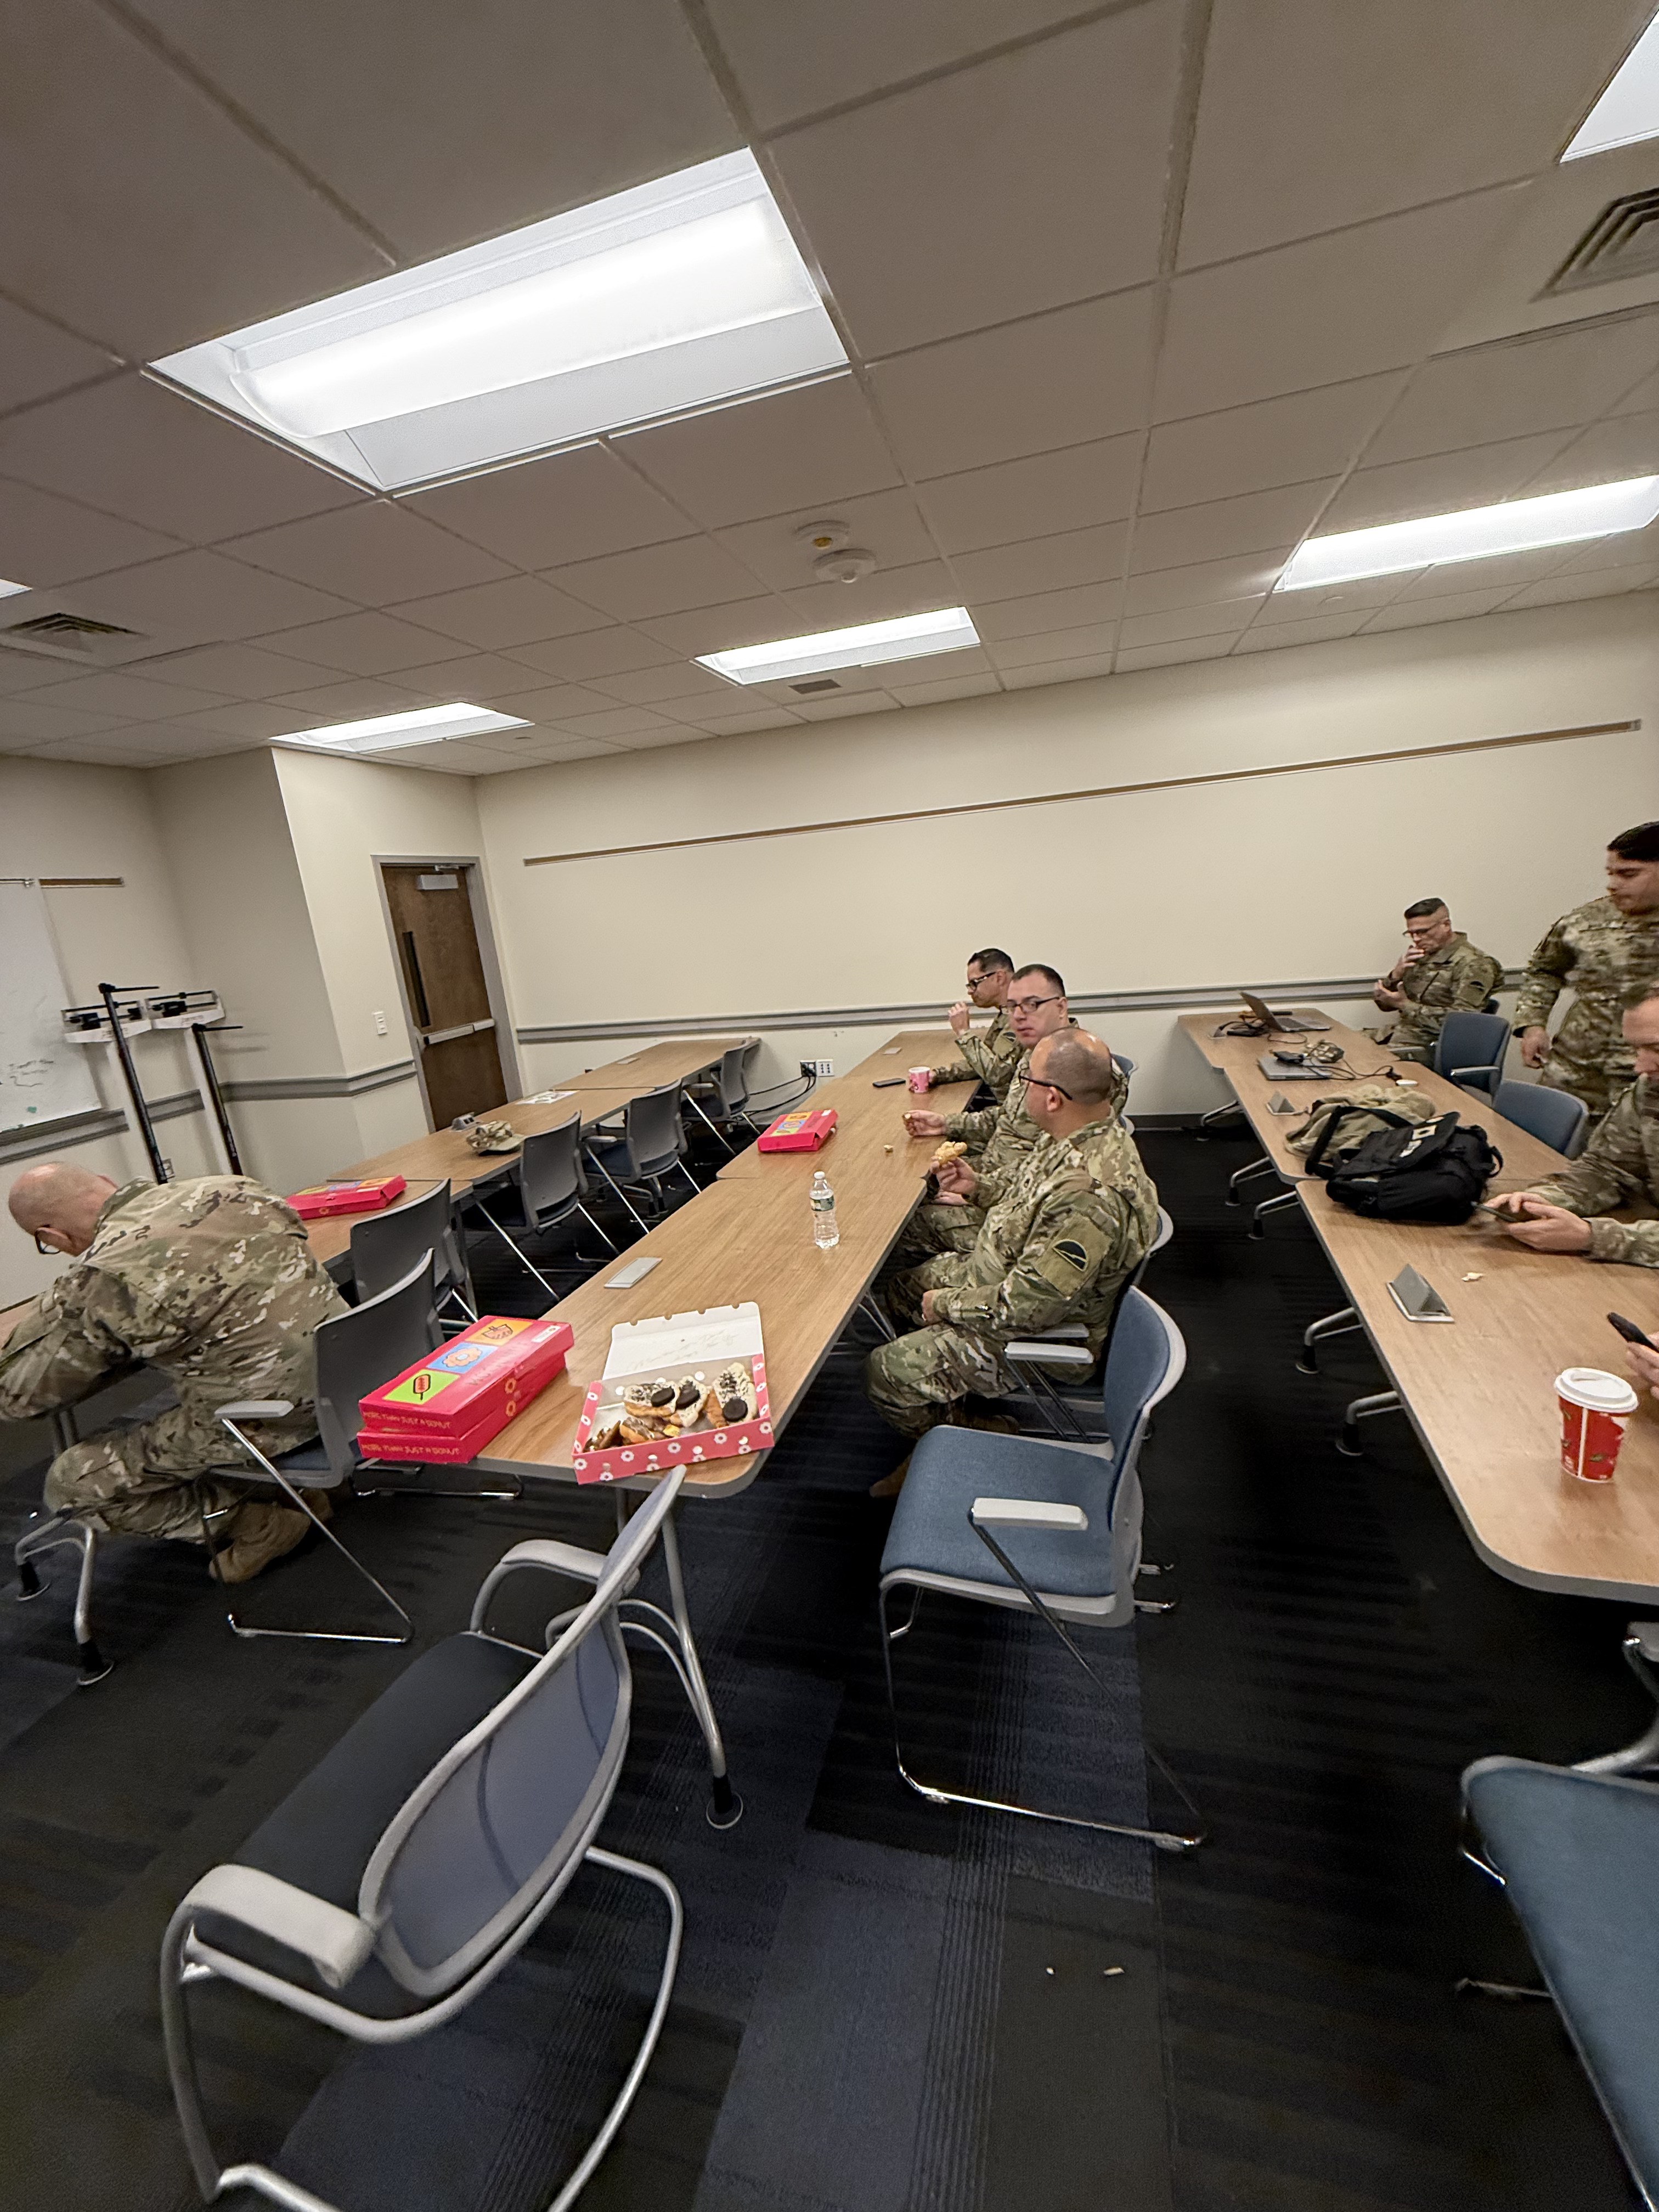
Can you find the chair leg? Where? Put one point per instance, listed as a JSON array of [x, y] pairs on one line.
[[64, 1532], [1164, 1840], [603, 1239], [870, 1307], [1269, 1206], [1342, 1322], [696, 1188], [522, 1257], [1206, 1121], [1361, 1409], [296, 1498], [1263, 1166], [645, 1226], [696, 1106]]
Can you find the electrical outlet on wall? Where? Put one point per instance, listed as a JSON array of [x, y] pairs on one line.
[[379, 1023], [817, 1068]]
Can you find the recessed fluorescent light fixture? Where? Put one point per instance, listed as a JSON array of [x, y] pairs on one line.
[[1558, 518], [6, 589], [669, 297], [421, 725], [1628, 111], [910, 637]]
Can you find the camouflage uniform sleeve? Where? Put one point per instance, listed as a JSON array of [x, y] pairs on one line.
[[1479, 976], [1077, 1232], [1545, 979], [973, 1130], [71, 1336], [1611, 1172]]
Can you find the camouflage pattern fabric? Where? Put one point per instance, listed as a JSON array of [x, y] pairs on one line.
[[1077, 1217], [1607, 959], [1459, 976], [1618, 1167], [989, 1055], [212, 1281]]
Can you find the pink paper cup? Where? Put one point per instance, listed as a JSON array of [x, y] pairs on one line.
[[1596, 1411], [920, 1078]]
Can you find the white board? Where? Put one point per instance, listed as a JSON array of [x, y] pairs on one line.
[[41, 1077]]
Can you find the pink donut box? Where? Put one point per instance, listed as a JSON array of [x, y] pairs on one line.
[[622, 1460]]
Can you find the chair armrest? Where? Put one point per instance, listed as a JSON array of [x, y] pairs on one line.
[[255, 1409], [337, 1944], [1461, 1074], [1027, 1513], [1642, 1636], [553, 1558], [1038, 1350], [1065, 1332]]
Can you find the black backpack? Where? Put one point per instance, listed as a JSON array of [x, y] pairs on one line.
[[1420, 1171]]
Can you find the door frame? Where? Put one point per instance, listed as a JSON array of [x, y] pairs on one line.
[[469, 866]]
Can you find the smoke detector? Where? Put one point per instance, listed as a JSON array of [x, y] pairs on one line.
[[844, 567], [822, 536]]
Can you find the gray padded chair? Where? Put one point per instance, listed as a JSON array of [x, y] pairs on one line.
[[1470, 1049], [1554, 1117], [1036, 1526], [726, 1093], [647, 1149], [547, 1187], [385, 1246], [397, 1880]]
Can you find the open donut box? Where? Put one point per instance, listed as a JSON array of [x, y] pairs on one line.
[[673, 1348]]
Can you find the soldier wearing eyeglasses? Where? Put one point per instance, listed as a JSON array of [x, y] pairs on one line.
[[989, 1055], [1439, 973]]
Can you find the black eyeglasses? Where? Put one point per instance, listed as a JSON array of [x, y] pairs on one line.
[[1031, 1006], [1041, 1083], [46, 1251]]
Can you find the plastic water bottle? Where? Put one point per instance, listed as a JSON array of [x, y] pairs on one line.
[[825, 1230]]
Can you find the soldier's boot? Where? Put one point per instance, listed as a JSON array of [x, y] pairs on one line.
[[261, 1534]]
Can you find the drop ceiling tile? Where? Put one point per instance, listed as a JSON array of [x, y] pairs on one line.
[[1453, 606], [245, 672], [1173, 654], [367, 645], [1057, 672], [1295, 440], [1226, 616], [45, 540], [1044, 564], [1479, 475], [976, 198], [139, 210], [546, 751], [352, 701], [1640, 397], [1219, 529], [37, 359], [198, 597], [854, 702], [131, 448], [121, 749], [645, 741], [1324, 310], [945, 688], [788, 693], [1065, 379], [657, 580], [1622, 446], [1369, 593], [1505, 572], [880, 598], [1203, 583], [1049, 610], [1582, 584], [515, 611], [482, 678], [888, 524], [775, 456], [35, 721], [793, 58], [1089, 640], [443, 126], [1313, 117], [742, 723], [716, 630], [1317, 631], [449, 755], [373, 554], [1516, 389], [251, 722], [597, 652], [552, 703], [681, 683], [128, 698], [571, 507], [1030, 498]]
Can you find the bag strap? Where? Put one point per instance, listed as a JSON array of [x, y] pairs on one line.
[[1340, 1113]]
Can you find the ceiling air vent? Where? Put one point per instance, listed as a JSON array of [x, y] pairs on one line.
[[818, 684], [1622, 242], [62, 637]]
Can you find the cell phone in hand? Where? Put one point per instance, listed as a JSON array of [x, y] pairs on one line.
[[1629, 1330]]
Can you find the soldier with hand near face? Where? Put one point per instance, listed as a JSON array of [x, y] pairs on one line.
[[1439, 973]]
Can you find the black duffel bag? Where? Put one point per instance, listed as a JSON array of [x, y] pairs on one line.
[[1431, 1171]]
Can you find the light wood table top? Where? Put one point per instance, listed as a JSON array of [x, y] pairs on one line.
[[868, 1121], [1479, 1392], [443, 1153], [1526, 1159], [674, 1060]]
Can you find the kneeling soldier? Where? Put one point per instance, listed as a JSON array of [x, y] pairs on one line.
[[1071, 1223]]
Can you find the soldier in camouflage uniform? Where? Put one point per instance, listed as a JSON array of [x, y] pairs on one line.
[[988, 1057], [1074, 1219], [211, 1281], [1618, 1168], [1607, 952], [1440, 972]]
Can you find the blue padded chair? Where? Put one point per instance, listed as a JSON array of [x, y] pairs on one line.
[[1036, 1526], [396, 1881], [1470, 1049], [1554, 1117], [648, 1148]]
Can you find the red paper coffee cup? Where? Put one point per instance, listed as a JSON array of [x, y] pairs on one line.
[[1596, 1411], [920, 1078]]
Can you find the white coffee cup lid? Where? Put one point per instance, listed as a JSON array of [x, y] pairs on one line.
[[1594, 1388]]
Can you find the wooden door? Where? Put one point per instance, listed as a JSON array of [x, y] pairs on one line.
[[437, 947]]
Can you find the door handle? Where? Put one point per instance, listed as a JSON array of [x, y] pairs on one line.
[[448, 1036]]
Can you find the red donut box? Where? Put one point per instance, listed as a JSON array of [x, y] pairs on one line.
[[364, 1195]]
